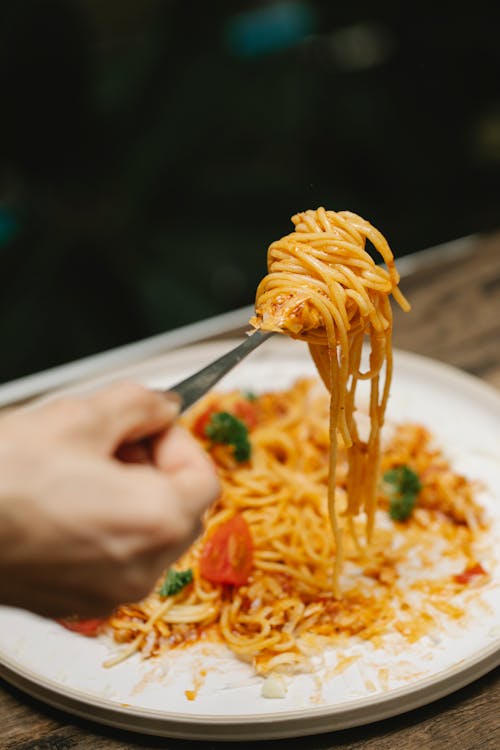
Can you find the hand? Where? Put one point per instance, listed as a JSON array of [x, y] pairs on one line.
[[81, 530]]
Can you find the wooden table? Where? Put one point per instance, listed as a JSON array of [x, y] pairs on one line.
[[455, 296]]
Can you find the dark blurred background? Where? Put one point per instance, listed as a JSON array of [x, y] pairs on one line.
[[150, 150]]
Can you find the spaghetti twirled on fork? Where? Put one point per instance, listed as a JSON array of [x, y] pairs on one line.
[[324, 287]]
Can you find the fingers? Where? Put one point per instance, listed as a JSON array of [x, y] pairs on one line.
[[171, 495], [165, 499], [122, 413], [128, 412], [190, 469]]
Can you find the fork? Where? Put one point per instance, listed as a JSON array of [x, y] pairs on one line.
[[195, 386]]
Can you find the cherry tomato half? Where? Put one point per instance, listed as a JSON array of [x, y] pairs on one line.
[[243, 409], [247, 412], [89, 627], [227, 556], [202, 421]]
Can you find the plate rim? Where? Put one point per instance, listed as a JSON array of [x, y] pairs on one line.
[[293, 723]]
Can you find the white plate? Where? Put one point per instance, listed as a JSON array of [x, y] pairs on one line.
[[65, 670]]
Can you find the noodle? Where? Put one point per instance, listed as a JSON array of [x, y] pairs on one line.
[[310, 469], [287, 609], [323, 287]]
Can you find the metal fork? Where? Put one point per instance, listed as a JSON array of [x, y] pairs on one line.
[[195, 386]]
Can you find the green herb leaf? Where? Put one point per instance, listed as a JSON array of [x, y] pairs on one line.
[[402, 486], [249, 395], [228, 429], [175, 581]]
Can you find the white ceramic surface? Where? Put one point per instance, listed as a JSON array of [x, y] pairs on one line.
[[66, 670]]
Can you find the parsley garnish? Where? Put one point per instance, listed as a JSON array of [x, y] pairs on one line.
[[249, 395], [226, 428], [402, 486], [175, 581]]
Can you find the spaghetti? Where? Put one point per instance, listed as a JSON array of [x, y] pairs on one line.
[[323, 287], [268, 578], [286, 611]]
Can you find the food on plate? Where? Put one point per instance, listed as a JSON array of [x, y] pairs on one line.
[[261, 577]]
